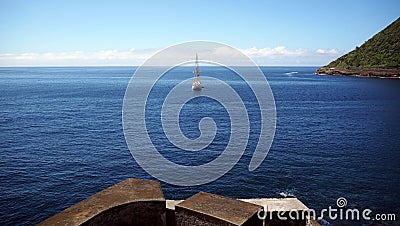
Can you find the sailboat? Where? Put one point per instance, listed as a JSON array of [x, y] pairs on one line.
[[196, 85]]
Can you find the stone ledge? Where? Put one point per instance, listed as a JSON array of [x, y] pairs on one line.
[[278, 204], [280, 211], [141, 202], [270, 204], [210, 209], [145, 196]]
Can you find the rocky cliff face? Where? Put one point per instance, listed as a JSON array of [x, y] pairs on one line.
[[361, 72]]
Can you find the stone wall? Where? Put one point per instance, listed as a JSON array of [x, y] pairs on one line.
[[130, 202], [141, 202], [151, 213]]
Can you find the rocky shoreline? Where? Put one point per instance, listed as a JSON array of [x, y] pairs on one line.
[[360, 72]]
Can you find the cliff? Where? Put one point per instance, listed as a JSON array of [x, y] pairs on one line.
[[377, 57]]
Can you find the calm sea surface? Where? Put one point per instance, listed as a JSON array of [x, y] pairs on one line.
[[61, 139]]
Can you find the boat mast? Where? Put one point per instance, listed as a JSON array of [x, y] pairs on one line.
[[197, 72]]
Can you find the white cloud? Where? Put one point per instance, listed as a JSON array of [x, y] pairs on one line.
[[272, 52], [278, 55], [281, 51], [77, 58], [327, 51]]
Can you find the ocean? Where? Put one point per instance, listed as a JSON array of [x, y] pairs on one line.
[[62, 139]]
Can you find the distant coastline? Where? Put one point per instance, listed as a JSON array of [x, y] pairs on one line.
[[360, 72], [378, 57]]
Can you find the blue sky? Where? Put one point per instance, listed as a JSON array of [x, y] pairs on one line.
[[127, 32]]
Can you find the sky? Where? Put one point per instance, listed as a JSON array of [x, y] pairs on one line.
[[271, 32]]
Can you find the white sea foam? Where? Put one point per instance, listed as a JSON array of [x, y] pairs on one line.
[[287, 193]]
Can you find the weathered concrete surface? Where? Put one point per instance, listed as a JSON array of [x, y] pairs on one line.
[[141, 202], [283, 211], [278, 204], [270, 204], [207, 209], [137, 213], [130, 202]]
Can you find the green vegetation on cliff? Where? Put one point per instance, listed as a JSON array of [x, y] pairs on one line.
[[381, 51]]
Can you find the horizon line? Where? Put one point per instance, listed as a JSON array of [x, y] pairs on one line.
[[63, 66]]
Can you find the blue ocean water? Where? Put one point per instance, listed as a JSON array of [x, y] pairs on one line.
[[61, 140]]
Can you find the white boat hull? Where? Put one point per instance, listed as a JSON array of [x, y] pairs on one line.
[[197, 87]]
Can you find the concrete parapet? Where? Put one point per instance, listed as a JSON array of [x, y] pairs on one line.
[[207, 209], [283, 211], [130, 202], [141, 202]]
